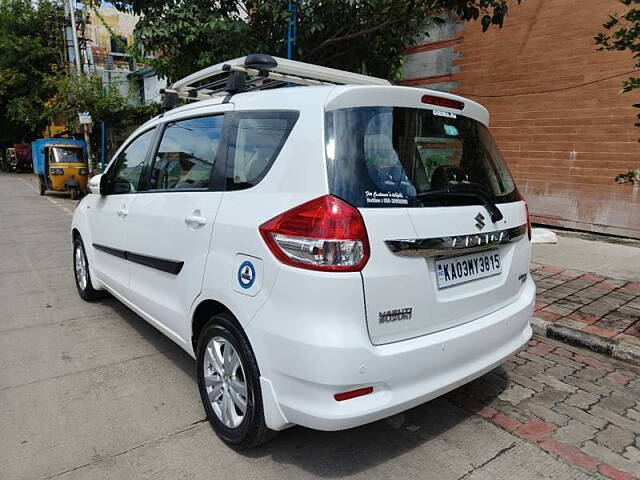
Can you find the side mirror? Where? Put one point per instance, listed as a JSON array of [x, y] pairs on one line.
[[98, 184]]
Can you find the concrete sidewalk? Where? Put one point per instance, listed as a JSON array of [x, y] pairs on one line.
[[605, 256]]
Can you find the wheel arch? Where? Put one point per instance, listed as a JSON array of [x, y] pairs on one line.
[[203, 313], [75, 233]]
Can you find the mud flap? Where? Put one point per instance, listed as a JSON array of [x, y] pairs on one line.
[[273, 416]]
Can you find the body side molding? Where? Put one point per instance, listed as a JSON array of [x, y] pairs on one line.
[[162, 264]]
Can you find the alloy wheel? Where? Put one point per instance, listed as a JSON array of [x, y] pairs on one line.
[[81, 267], [225, 381]]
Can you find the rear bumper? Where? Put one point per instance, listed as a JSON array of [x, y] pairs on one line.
[[404, 374]]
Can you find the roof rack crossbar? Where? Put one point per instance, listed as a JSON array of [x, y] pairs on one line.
[[266, 86], [261, 72], [213, 84]]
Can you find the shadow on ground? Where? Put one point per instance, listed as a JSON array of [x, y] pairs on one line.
[[349, 452], [161, 343], [343, 453]]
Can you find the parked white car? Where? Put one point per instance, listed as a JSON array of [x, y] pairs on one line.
[[329, 254]]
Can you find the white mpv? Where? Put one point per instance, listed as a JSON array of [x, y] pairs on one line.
[[331, 253]]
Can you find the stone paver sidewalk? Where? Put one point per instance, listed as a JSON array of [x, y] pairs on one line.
[[579, 406], [603, 307]]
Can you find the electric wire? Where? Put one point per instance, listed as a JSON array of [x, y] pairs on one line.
[[538, 92]]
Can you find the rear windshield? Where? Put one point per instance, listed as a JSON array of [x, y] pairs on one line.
[[409, 157], [67, 155]]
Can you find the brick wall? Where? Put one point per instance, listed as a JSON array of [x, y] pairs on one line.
[[563, 147]]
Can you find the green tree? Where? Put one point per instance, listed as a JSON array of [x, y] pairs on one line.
[[86, 93], [365, 36], [623, 34], [30, 51]]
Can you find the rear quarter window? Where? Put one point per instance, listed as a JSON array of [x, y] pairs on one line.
[[255, 140]]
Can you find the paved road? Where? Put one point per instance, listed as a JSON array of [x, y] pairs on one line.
[[90, 391]]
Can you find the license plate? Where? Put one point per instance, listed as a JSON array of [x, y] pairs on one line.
[[465, 268]]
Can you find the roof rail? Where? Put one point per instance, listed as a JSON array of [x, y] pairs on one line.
[[260, 72]]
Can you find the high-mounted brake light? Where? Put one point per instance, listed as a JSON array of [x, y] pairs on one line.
[[526, 208], [443, 102], [324, 234], [353, 394]]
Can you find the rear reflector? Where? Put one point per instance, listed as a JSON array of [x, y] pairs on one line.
[[442, 102], [353, 394]]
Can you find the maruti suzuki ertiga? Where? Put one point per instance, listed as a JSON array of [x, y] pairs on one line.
[[330, 254]]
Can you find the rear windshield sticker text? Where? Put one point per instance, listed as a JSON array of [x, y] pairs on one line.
[[440, 113], [393, 198]]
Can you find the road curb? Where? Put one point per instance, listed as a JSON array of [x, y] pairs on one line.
[[606, 346]]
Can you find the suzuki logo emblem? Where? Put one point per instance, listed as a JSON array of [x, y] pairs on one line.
[[479, 221]]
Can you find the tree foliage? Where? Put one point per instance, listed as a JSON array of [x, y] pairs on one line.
[[365, 36], [623, 33], [86, 93], [29, 53]]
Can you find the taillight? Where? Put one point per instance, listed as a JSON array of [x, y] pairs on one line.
[[442, 102], [526, 208], [324, 234]]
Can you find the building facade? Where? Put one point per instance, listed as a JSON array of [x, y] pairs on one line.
[[105, 38], [556, 109]]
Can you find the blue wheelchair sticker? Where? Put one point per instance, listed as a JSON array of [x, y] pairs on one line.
[[246, 274]]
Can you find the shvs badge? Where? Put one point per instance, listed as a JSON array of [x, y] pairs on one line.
[[246, 274]]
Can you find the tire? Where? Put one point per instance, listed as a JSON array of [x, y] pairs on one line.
[[82, 275], [241, 431], [75, 193], [43, 187]]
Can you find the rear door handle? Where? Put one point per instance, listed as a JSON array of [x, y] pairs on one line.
[[123, 212], [196, 220]]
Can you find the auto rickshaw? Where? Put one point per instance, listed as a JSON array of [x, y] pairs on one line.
[[61, 165]]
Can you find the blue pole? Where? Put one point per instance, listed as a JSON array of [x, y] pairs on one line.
[[103, 135], [290, 32]]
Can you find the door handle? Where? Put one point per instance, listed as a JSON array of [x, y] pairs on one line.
[[123, 212], [196, 220]]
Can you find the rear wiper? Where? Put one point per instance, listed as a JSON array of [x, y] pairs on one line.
[[461, 190]]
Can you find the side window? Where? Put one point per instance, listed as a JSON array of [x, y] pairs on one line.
[[129, 165], [255, 140], [187, 154]]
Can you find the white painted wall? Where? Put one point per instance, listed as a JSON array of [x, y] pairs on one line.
[[152, 86]]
